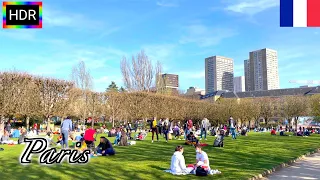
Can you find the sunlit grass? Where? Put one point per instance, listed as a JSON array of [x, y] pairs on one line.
[[239, 159]]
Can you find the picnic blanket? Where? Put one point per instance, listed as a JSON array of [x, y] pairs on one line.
[[211, 172]]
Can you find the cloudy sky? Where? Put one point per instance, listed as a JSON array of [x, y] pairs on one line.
[[179, 33]]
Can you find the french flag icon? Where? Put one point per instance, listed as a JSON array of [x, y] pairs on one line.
[[299, 13]]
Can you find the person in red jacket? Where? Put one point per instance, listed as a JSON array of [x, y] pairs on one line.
[[89, 138], [190, 125]]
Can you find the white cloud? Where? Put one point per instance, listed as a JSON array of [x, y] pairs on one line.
[[251, 7], [160, 52], [56, 18], [205, 36], [20, 34], [167, 3]]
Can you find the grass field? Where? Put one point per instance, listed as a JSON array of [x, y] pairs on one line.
[[239, 159]]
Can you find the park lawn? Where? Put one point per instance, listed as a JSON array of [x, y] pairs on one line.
[[239, 159]]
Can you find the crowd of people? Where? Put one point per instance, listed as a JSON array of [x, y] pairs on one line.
[[192, 133]]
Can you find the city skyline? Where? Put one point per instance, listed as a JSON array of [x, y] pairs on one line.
[[100, 35]]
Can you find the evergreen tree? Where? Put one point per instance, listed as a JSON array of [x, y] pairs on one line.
[[112, 87]]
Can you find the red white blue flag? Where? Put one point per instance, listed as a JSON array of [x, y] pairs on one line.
[[300, 13]]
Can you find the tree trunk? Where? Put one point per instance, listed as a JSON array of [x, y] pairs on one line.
[[28, 122], [48, 124], [296, 121], [249, 125], [1, 126]]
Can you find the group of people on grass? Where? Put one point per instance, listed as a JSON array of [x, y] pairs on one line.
[[201, 167], [168, 128]]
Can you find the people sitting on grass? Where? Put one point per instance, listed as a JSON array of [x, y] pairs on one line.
[[202, 160], [282, 133], [123, 138], [118, 136], [141, 136], [218, 142], [191, 139], [244, 131], [105, 147], [273, 132], [112, 132], [5, 139], [23, 135], [307, 132], [79, 138], [178, 166], [89, 138]]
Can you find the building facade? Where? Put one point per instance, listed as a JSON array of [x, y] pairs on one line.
[[239, 84], [171, 80], [247, 75], [261, 70], [195, 91], [168, 83], [218, 74]]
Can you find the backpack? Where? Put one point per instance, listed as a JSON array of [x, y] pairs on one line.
[[154, 123], [201, 172]]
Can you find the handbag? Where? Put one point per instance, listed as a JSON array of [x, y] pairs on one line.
[[201, 171]]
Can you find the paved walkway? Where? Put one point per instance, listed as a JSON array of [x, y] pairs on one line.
[[308, 168]]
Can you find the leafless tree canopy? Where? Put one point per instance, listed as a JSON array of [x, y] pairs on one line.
[[138, 74], [81, 76], [83, 80]]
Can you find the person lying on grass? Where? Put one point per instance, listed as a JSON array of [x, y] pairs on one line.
[[178, 165], [105, 147]]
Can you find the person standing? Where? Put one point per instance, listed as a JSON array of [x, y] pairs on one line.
[[204, 128], [66, 127], [154, 128], [166, 127], [232, 127], [160, 126]]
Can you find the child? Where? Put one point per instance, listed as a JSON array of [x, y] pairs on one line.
[[49, 137], [118, 137], [59, 140], [140, 137]]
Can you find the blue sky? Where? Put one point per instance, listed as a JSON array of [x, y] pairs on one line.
[[179, 33]]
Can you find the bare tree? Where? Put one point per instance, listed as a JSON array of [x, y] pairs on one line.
[[294, 107], [52, 93], [82, 79], [137, 75]]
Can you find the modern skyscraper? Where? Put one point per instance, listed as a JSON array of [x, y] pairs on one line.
[[261, 70], [219, 74], [239, 84], [247, 74]]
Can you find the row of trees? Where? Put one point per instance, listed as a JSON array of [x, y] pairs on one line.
[[30, 96]]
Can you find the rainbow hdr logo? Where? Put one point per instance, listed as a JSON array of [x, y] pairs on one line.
[[20, 15]]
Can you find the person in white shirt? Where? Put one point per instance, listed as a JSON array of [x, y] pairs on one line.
[[204, 128], [202, 158], [178, 165]]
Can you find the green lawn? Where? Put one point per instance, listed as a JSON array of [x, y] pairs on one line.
[[239, 159]]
